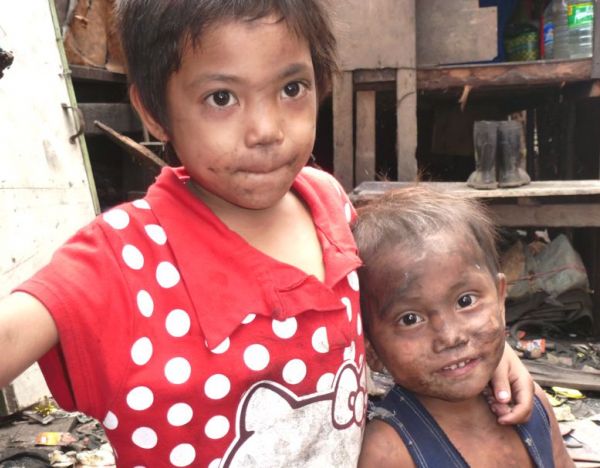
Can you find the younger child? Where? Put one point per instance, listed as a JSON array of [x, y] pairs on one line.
[[432, 302], [216, 321]]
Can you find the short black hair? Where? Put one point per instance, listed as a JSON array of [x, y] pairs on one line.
[[155, 32]]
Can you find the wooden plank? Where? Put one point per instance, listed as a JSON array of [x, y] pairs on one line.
[[548, 215], [83, 73], [343, 141], [375, 33], [545, 188], [548, 375], [541, 72], [458, 31], [406, 124], [119, 116], [596, 43], [365, 136]]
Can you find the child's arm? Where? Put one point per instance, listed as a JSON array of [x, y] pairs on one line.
[[512, 383], [382, 447], [559, 450], [27, 332]]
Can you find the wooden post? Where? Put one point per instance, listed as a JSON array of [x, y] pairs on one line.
[[343, 146], [365, 136], [406, 114]]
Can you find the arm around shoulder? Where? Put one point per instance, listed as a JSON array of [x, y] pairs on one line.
[[382, 447], [559, 450], [27, 332]]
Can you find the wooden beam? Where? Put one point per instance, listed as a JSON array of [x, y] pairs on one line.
[[406, 124], [119, 116], [343, 141], [365, 136], [548, 215], [596, 43], [541, 72], [542, 188]]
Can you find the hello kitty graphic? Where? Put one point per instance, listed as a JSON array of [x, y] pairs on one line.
[[273, 423]]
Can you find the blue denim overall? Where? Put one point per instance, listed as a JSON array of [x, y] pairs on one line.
[[430, 447]]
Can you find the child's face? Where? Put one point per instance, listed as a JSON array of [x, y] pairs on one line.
[[436, 317], [242, 111]]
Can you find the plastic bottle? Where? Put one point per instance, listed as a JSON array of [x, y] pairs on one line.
[[548, 31], [573, 28], [580, 18]]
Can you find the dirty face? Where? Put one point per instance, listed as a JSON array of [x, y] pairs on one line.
[[436, 318], [242, 111]]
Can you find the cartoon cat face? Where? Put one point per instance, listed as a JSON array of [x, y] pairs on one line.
[[274, 425]]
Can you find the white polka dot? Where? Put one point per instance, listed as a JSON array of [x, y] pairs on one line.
[[167, 275], [180, 414], [182, 455], [256, 357], [223, 347], [178, 370], [320, 342], [353, 281], [178, 323], [140, 398], [116, 218], [156, 233], [217, 427], [325, 382], [285, 329], [214, 463], [132, 257], [141, 204], [348, 212], [350, 352], [111, 422], [336, 186], [144, 437], [145, 303], [249, 318], [217, 387], [346, 301], [141, 351], [294, 372], [359, 324]]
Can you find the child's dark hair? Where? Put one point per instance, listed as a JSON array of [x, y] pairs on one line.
[[407, 216], [154, 33]]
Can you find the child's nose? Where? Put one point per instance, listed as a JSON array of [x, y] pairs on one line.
[[449, 334], [264, 125]]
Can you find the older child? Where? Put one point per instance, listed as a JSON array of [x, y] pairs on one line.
[[433, 308], [215, 322]]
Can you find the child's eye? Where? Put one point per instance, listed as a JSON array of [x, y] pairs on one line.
[[410, 319], [466, 300], [221, 99], [293, 89]]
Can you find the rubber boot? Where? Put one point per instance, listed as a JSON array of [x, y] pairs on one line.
[[510, 163], [485, 134]]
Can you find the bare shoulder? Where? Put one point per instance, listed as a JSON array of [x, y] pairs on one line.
[[559, 450], [19, 337], [382, 447]]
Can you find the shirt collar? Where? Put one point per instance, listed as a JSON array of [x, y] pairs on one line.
[[227, 279]]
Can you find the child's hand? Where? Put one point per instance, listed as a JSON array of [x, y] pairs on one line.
[[511, 378]]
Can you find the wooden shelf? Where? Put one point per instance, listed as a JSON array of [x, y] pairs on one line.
[[538, 204], [80, 72], [542, 188], [555, 73]]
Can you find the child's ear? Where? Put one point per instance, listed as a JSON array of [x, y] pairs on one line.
[[372, 358], [149, 122]]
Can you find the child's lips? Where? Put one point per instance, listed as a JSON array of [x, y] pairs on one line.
[[459, 367]]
